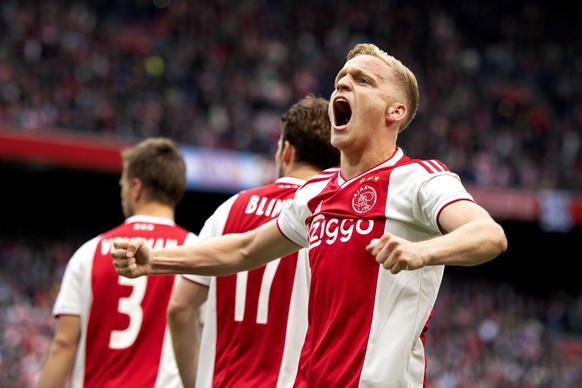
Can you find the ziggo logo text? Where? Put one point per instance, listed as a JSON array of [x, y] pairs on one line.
[[332, 229]]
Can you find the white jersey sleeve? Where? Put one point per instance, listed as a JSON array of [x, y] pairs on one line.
[[75, 280], [190, 239], [436, 193], [291, 221]]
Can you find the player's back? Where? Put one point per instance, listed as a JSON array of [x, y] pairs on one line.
[[125, 340], [257, 319]]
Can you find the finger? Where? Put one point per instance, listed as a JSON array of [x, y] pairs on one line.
[[129, 272], [399, 266], [133, 247], [386, 253], [384, 256], [120, 243], [122, 272], [117, 253], [123, 263], [392, 261], [372, 244]]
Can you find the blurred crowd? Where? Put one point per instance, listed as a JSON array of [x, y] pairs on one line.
[[488, 334], [30, 274], [483, 334], [501, 85]]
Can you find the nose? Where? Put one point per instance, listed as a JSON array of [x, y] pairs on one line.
[[343, 84]]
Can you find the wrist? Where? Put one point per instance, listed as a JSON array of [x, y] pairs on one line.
[[153, 268]]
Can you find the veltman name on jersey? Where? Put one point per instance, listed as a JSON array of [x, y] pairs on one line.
[[107, 243], [263, 206], [331, 229]]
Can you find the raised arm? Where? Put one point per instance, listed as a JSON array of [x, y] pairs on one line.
[[472, 238], [215, 256]]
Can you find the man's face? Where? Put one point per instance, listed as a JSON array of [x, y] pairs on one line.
[[359, 102]]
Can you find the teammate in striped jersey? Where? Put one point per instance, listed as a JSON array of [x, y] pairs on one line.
[[255, 321], [380, 231], [107, 325]]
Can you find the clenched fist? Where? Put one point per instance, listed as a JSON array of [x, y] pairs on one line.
[[396, 254], [131, 257]]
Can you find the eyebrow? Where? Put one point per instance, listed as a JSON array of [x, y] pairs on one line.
[[341, 74], [355, 72]]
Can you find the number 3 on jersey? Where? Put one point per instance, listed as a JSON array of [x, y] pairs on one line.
[[130, 306], [265, 291]]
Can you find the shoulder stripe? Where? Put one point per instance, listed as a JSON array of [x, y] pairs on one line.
[[441, 164], [324, 175], [433, 166], [329, 171]]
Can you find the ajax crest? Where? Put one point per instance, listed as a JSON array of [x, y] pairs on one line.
[[364, 199]]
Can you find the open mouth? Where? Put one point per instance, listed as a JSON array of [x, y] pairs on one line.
[[342, 111]]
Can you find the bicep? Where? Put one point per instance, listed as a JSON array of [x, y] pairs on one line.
[[66, 338], [460, 213], [68, 329]]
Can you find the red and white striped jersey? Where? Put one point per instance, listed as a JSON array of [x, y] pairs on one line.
[[255, 321], [366, 325], [125, 340]]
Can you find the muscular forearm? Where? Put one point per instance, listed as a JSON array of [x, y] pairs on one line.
[[471, 244], [223, 255], [216, 256]]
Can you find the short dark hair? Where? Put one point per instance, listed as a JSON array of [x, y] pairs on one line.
[[307, 127], [160, 165]]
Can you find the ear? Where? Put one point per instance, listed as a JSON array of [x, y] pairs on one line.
[[396, 112], [288, 153], [136, 189]]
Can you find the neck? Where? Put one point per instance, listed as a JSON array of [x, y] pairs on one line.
[[301, 171], [355, 164], [154, 210]]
